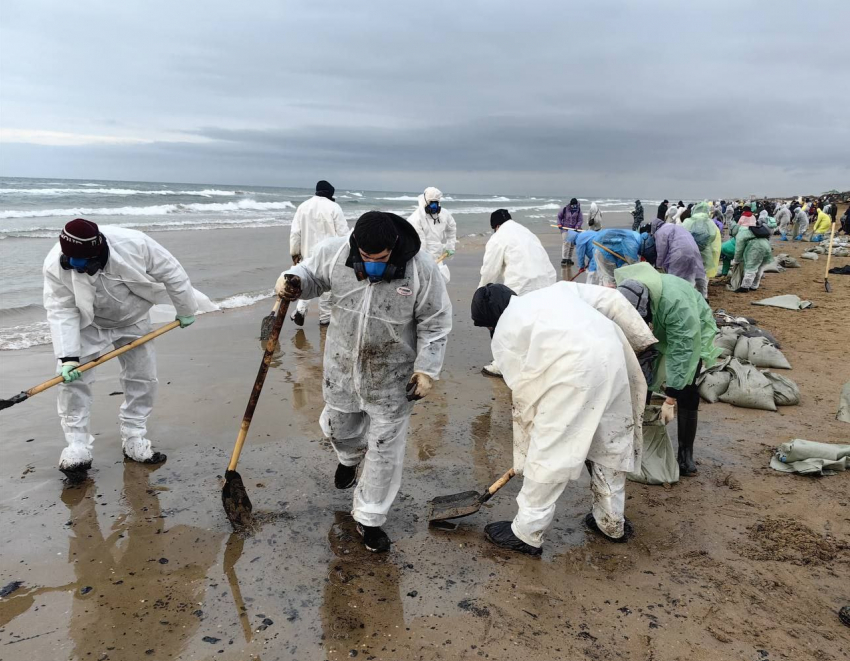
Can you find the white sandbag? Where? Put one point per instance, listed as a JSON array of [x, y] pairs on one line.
[[748, 388], [760, 352], [714, 382], [785, 391], [773, 267], [809, 255], [844, 404], [727, 338], [658, 463]]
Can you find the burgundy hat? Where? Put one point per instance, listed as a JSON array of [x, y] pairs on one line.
[[81, 238]]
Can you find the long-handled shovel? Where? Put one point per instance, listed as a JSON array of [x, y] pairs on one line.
[[580, 271], [443, 508], [828, 260], [17, 399], [234, 497], [268, 322]]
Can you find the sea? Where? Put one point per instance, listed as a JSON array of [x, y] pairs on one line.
[[220, 233]]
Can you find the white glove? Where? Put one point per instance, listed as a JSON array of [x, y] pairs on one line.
[[668, 412]]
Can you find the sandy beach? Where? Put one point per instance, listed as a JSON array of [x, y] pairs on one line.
[[740, 562]]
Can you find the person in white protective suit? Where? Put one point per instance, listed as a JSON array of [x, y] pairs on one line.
[[594, 218], [315, 220], [436, 228], [515, 258], [567, 352], [390, 319], [99, 286]]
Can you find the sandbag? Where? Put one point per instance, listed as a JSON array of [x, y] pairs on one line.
[[810, 458], [761, 332], [786, 261], [748, 388], [809, 255], [658, 464], [785, 391], [773, 267], [736, 277], [714, 382], [760, 352], [727, 338]]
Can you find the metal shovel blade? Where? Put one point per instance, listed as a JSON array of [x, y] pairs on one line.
[[235, 499], [828, 286], [266, 327], [443, 508]]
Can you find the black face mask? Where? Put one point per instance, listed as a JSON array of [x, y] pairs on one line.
[[433, 209], [93, 265]]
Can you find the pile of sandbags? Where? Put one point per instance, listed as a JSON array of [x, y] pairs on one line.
[[838, 250], [736, 379]]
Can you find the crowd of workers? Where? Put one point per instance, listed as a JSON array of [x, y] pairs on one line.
[[382, 290]]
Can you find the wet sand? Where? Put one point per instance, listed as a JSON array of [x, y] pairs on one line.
[[739, 562]]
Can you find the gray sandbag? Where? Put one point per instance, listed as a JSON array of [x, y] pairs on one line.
[[748, 388], [786, 261], [785, 391], [786, 301], [760, 352], [810, 458], [809, 255], [658, 464], [773, 267], [736, 277], [761, 332], [844, 404], [727, 338], [714, 382]]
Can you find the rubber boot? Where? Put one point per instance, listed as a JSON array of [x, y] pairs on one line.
[[687, 423]]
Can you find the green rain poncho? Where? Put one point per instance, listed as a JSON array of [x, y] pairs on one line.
[[682, 322], [706, 235], [751, 251], [727, 254]]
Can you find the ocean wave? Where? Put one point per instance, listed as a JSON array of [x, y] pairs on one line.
[[243, 300], [153, 226], [400, 198], [512, 208], [16, 312], [495, 198], [47, 192], [25, 336], [154, 210]]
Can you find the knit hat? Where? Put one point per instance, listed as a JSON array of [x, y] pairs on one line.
[[637, 294], [324, 189], [81, 238], [498, 217]]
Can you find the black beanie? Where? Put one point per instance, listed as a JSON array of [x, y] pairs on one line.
[[324, 189], [488, 304], [498, 217]]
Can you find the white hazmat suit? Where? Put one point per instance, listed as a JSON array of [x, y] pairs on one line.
[[89, 313], [315, 220], [380, 334], [437, 233], [515, 258], [567, 352]]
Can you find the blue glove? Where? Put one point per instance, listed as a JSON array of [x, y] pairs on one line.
[[185, 321], [70, 371]]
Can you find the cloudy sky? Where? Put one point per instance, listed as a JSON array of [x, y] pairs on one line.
[[631, 98]]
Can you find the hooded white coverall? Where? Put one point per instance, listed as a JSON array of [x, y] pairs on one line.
[[801, 222], [315, 220], [567, 352], [89, 313], [515, 258], [594, 218], [380, 334], [437, 233], [783, 219]]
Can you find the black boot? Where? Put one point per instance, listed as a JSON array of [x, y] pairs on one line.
[[374, 539], [345, 476], [500, 533], [687, 421]]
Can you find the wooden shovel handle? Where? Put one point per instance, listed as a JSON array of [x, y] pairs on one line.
[[620, 257], [502, 481], [276, 306], [829, 253], [107, 356], [282, 308]]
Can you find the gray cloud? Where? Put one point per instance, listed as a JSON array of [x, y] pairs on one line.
[[613, 98]]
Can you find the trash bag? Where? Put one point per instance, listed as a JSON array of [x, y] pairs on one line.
[[785, 391], [658, 464], [714, 382], [810, 458], [760, 352], [844, 404], [748, 388], [727, 338]]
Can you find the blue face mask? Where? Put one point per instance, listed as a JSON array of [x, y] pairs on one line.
[[434, 208], [375, 269], [79, 264]]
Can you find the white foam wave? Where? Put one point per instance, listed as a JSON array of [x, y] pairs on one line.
[[48, 192], [356, 194], [495, 198], [400, 198], [23, 337], [243, 300], [153, 226], [154, 210]]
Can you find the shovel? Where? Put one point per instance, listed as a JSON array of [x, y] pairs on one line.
[[828, 260], [580, 271], [17, 399], [268, 322], [443, 508], [234, 497]]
